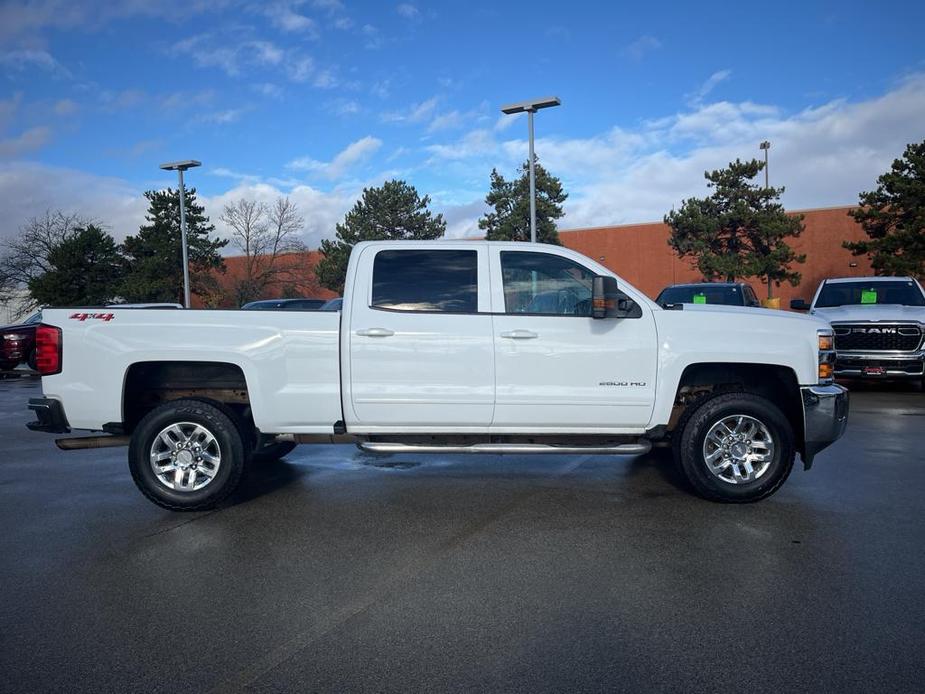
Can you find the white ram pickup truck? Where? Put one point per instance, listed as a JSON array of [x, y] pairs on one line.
[[446, 346], [879, 325]]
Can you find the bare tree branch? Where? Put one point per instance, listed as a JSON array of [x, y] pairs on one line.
[[263, 233], [25, 257]]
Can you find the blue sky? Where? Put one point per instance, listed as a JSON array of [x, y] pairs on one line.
[[316, 99]]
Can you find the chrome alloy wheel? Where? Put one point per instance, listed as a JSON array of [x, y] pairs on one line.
[[185, 456], [738, 449]]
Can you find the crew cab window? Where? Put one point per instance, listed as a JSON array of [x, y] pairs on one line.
[[444, 281], [542, 283], [750, 298]]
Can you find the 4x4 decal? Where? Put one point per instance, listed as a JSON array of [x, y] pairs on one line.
[[97, 316]]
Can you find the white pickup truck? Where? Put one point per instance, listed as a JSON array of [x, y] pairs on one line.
[[446, 346], [879, 325]]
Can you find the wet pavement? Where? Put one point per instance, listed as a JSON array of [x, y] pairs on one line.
[[339, 571]]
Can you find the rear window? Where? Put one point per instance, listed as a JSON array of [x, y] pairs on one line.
[[444, 281], [702, 294], [903, 292]]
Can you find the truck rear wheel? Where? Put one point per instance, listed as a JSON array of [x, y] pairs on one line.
[[186, 455], [735, 447]]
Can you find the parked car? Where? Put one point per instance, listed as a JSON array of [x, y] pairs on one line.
[[285, 305], [879, 325], [722, 293], [17, 343], [431, 354], [333, 304]]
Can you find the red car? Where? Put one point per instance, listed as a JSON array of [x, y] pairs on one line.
[[17, 343]]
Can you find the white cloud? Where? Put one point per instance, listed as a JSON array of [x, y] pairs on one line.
[[408, 11], [268, 89], [224, 117], [353, 154], [823, 155], [29, 189], [21, 60], [416, 113], [642, 46], [320, 210], [284, 17], [65, 107], [31, 139], [708, 86]]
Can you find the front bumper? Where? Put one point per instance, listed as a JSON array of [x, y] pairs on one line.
[[825, 416], [51, 417], [880, 365]]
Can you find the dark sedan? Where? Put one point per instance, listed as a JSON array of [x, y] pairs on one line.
[[723, 293], [285, 305]]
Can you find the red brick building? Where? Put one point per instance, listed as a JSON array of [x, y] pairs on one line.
[[641, 255], [637, 252]]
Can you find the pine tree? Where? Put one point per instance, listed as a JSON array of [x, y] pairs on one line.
[[509, 219], [84, 270], [154, 257], [395, 210], [738, 231], [893, 216]]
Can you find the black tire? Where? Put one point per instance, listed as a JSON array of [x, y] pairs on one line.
[[271, 452], [7, 365], [694, 428], [30, 361], [227, 438]]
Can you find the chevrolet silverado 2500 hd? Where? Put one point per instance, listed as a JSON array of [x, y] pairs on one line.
[[879, 325], [446, 346]]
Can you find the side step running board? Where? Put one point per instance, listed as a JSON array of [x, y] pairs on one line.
[[78, 443], [640, 448]]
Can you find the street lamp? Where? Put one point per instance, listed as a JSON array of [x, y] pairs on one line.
[[531, 107], [765, 146], [180, 167]]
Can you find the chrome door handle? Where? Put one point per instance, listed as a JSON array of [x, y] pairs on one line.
[[375, 332], [520, 335]]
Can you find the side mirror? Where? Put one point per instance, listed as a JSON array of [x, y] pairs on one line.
[[798, 305], [607, 301]]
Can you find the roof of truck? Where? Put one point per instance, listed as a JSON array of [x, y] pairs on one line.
[[839, 280]]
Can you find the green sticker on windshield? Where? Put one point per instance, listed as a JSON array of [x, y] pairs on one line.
[[700, 298], [868, 296]]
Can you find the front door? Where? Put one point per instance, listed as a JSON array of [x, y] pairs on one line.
[[421, 348], [556, 367]]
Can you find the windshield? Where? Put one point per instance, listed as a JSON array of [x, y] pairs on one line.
[[701, 294], [904, 292]]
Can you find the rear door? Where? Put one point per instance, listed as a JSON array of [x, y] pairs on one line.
[[421, 353]]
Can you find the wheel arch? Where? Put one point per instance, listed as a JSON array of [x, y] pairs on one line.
[[776, 382], [147, 384]]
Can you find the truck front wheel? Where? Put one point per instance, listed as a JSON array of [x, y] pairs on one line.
[[735, 447], [186, 455]]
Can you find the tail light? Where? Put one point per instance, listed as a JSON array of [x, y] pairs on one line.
[[48, 350]]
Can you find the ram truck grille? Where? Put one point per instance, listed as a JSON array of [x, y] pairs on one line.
[[877, 337]]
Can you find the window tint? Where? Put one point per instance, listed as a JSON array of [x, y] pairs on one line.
[[426, 280], [904, 292], [701, 294], [751, 298], [303, 305], [545, 284]]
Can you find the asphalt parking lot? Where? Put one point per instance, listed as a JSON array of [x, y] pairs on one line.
[[338, 571]]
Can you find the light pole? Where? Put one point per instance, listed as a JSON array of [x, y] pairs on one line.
[[531, 107], [766, 146], [180, 167]]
